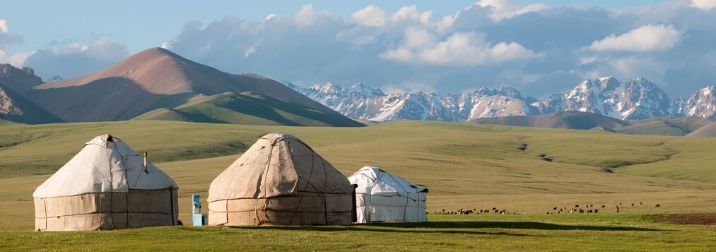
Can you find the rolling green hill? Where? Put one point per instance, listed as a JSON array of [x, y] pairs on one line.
[[706, 131], [671, 127], [564, 120], [247, 108], [585, 121]]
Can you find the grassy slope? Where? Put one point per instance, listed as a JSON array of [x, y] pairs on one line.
[[706, 131], [672, 127], [566, 120], [464, 165], [247, 108]]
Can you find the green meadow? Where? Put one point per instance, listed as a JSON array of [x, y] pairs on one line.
[[526, 172]]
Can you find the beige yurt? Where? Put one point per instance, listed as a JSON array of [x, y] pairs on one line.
[[280, 181], [105, 186], [384, 197]]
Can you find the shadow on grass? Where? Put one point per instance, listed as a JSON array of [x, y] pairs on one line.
[[456, 227], [509, 225], [379, 230]]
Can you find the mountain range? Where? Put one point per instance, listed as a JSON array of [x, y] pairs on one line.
[[636, 99], [157, 79]]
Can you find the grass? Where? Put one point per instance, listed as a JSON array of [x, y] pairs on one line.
[[247, 108], [464, 165], [509, 232]]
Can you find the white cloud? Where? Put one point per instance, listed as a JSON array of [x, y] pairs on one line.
[[3, 26], [704, 4], [493, 42], [418, 37], [371, 15], [76, 58], [411, 13], [15, 59], [642, 39], [504, 9], [460, 49], [306, 16], [445, 23]]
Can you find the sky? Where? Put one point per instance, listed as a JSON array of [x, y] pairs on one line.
[[539, 47]]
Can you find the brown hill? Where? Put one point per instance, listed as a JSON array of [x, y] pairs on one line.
[[151, 79], [705, 131]]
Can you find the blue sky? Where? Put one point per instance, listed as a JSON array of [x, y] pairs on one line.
[[443, 46], [141, 24]]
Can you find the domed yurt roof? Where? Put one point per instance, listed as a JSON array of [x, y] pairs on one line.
[[371, 179], [277, 164], [105, 164]]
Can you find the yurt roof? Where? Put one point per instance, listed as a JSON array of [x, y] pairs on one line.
[[277, 164], [371, 179], [105, 164]]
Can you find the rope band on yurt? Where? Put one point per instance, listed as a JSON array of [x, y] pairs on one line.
[[405, 208], [111, 189]]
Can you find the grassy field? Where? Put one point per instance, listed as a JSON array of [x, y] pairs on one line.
[[525, 171]]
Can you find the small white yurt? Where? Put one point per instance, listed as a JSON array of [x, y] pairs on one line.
[[383, 197], [280, 181], [107, 185]]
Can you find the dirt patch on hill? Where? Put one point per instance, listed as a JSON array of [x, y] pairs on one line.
[[699, 219]]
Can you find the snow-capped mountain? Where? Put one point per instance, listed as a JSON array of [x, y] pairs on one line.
[[361, 102], [636, 99], [701, 104]]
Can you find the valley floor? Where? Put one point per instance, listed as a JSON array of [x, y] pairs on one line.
[[526, 172]]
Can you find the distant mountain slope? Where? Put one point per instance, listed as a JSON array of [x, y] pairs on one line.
[[672, 126], [566, 120], [19, 80], [247, 108], [636, 99], [706, 131], [15, 108], [152, 79]]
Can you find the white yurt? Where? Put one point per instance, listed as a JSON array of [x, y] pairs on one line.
[[107, 185], [383, 197], [280, 181]]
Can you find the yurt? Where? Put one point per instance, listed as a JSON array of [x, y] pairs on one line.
[[280, 181], [383, 197], [107, 185]]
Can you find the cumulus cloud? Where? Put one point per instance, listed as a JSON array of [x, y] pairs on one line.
[[704, 4], [8, 39], [642, 39], [75, 59], [537, 49], [411, 13], [306, 16], [460, 49], [3, 26], [503, 9], [371, 15]]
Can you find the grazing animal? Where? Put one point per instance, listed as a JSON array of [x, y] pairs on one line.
[[603, 206], [596, 210], [658, 205]]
